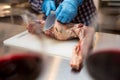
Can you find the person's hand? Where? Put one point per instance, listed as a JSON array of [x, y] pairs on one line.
[[67, 10], [48, 6]]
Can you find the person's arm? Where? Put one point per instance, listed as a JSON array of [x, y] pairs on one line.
[[67, 10]]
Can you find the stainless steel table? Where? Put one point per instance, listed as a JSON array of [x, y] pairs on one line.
[[57, 68], [6, 31]]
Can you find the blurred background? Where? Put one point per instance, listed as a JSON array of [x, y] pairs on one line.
[[15, 14]]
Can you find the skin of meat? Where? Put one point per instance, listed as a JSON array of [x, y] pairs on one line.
[[80, 52], [76, 59], [60, 33], [69, 31], [35, 27]]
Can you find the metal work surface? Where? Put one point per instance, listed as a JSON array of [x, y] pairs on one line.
[[58, 68], [7, 31], [55, 68]]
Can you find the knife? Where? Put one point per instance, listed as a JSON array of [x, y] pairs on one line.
[[50, 21]]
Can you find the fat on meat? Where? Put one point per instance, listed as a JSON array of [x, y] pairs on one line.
[[65, 32]]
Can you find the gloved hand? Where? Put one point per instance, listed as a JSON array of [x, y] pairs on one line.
[[47, 6], [67, 10]]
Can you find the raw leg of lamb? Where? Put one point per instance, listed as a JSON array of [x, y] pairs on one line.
[[65, 32]]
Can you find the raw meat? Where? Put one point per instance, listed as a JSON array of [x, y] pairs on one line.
[[83, 47], [65, 32]]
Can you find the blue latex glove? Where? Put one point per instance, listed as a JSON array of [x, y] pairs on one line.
[[48, 6], [67, 10]]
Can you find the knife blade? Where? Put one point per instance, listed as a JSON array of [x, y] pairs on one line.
[[50, 21]]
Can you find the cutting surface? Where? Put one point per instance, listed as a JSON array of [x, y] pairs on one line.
[[60, 48], [48, 45], [56, 67]]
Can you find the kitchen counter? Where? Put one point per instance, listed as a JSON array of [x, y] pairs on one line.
[[6, 31], [56, 67]]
